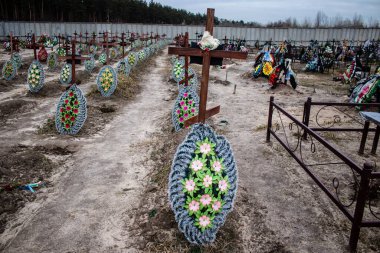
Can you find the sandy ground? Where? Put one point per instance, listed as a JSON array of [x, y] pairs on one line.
[[108, 190]]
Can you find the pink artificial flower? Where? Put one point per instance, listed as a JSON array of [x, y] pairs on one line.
[[204, 221], [76, 102], [222, 185], [194, 206], [217, 166], [190, 185], [178, 111], [205, 199], [75, 111], [182, 103], [197, 165], [181, 119], [216, 205], [205, 148], [190, 102], [185, 94], [185, 108], [186, 115], [207, 181], [68, 108], [192, 110]]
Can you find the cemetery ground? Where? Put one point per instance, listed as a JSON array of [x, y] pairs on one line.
[[106, 188]]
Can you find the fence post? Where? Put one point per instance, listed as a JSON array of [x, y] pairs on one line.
[[270, 117], [306, 115], [360, 204]]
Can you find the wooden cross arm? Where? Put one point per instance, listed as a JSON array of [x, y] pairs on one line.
[[70, 58], [209, 113], [213, 53], [184, 80]]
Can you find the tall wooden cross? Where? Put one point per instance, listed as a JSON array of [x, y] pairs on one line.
[[123, 43], [73, 58], [34, 46], [203, 113]]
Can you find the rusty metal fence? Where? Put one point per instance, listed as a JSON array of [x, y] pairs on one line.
[[350, 187]]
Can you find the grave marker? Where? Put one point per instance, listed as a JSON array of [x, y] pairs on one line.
[[73, 59], [203, 178], [206, 54]]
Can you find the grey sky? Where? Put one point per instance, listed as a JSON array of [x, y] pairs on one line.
[[264, 11]]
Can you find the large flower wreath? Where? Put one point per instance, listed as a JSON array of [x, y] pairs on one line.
[[202, 184], [71, 111], [103, 58], [42, 55], [123, 68], [36, 76], [16, 57], [93, 49], [65, 76], [107, 81], [132, 59], [61, 51], [148, 52], [178, 71], [185, 107], [89, 64], [52, 61], [9, 70], [113, 53], [141, 55]]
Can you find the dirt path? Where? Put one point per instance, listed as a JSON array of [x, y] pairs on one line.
[[300, 215], [103, 179]]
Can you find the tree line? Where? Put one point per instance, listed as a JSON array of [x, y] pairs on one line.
[[139, 11]]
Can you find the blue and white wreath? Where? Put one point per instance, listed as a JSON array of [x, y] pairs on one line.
[[123, 68], [185, 107], [89, 64], [202, 184], [107, 81], [9, 70], [71, 111], [36, 76], [66, 76]]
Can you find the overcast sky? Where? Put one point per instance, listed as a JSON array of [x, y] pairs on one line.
[[265, 11]]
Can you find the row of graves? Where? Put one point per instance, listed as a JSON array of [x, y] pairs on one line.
[[67, 53], [203, 178]]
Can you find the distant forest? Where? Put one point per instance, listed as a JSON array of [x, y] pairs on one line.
[[138, 11]]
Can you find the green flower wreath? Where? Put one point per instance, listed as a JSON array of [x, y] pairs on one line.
[[103, 58], [52, 61], [9, 70]]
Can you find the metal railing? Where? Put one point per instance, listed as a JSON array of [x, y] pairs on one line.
[[362, 177]]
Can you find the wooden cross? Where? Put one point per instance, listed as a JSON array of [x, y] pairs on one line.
[[107, 44], [73, 58], [34, 46], [203, 112], [123, 43], [187, 77]]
